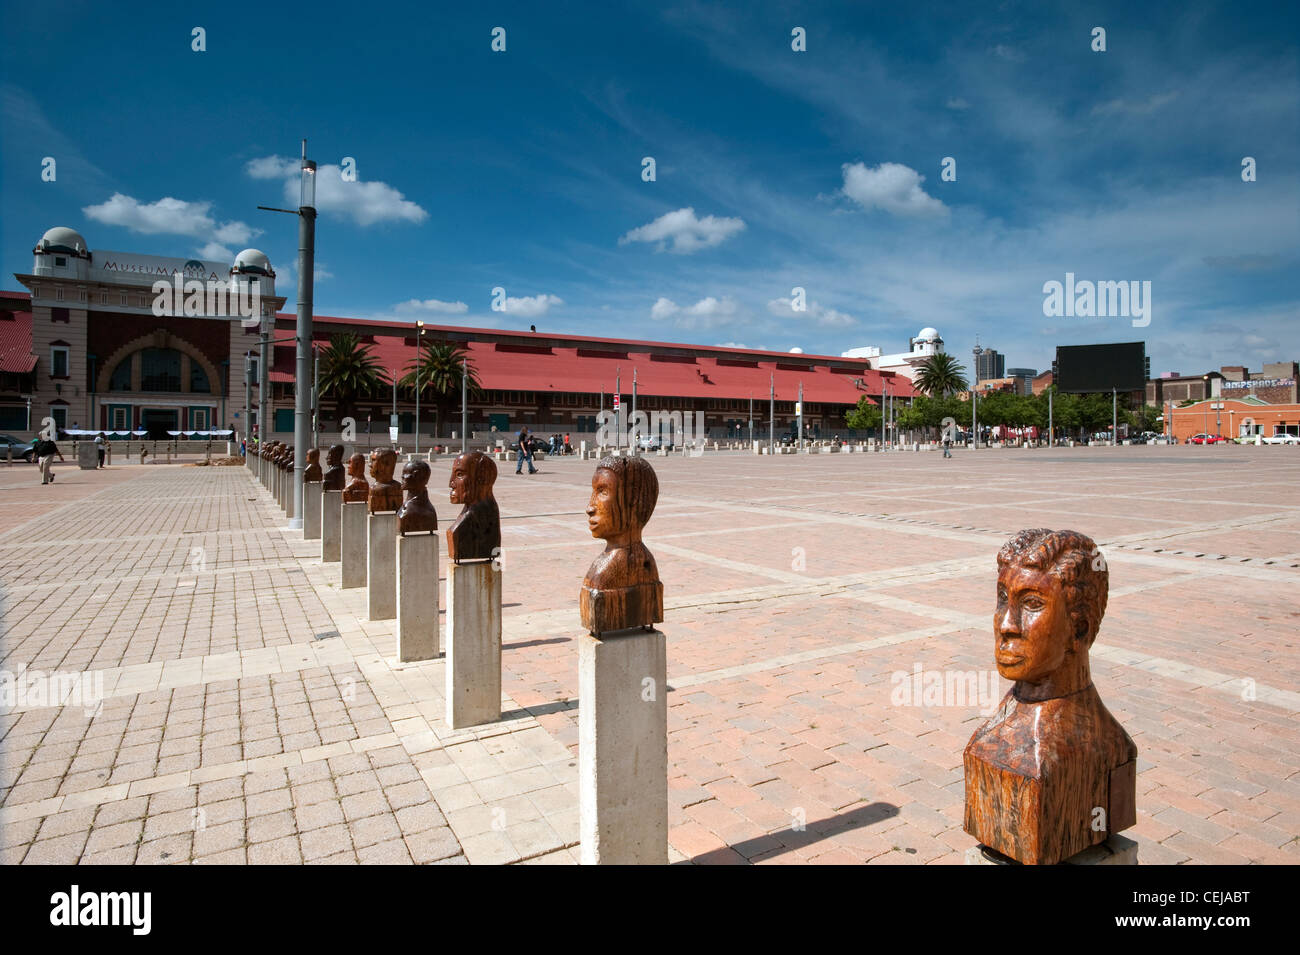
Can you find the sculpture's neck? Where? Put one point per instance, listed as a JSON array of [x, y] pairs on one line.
[[1072, 677], [623, 539]]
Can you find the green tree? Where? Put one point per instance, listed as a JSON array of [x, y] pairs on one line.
[[865, 417], [940, 375], [439, 369], [349, 371]]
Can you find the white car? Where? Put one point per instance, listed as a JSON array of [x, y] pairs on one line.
[[1282, 439]]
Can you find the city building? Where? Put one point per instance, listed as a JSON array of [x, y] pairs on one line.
[[1231, 417], [906, 364], [989, 364], [84, 347], [1024, 379], [1043, 381]]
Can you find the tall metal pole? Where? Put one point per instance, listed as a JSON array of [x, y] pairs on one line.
[[1114, 418], [464, 407], [974, 418], [399, 424], [771, 414], [799, 416], [306, 279], [618, 413], [417, 391], [751, 418], [634, 446], [248, 408], [315, 396], [264, 376], [1049, 417]]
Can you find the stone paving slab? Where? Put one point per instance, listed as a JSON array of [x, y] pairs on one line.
[[251, 713]]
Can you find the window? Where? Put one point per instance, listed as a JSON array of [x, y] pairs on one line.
[[58, 294], [160, 369], [60, 416], [103, 298], [60, 261], [119, 422], [123, 298], [121, 378], [199, 378], [199, 419], [58, 361]]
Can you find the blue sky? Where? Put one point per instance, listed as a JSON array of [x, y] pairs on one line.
[[820, 169]]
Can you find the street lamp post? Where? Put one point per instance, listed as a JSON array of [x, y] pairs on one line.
[[464, 408], [306, 213], [419, 341]]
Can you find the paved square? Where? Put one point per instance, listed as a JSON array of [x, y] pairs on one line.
[[251, 713]]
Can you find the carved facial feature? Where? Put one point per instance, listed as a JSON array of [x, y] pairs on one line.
[[334, 456], [357, 466], [603, 510], [1032, 624], [415, 476], [458, 484], [382, 464]]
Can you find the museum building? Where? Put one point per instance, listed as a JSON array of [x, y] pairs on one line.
[[83, 346]]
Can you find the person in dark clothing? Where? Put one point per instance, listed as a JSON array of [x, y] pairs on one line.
[[524, 452]]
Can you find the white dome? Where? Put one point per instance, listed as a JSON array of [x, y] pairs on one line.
[[63, 239], [927, 334], [796, 350], [252, 260]]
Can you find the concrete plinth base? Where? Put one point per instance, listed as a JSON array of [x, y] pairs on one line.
[[623, 748], [330, 549], [1117, 850], [381, 567], [473, 644], [353, 543], [417, 597], [289, 480], [311, 492]]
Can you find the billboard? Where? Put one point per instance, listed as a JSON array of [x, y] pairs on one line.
[[146, 269], [1093, 368]]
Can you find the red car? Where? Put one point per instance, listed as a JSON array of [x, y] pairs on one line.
[[1207, 439]]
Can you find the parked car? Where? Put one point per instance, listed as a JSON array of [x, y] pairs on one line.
[[653, 442], [1282, 439], [20, 449], [1207, 439]]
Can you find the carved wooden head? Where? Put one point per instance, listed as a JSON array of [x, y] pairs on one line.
[[334, 457], [357, 466], [623, 496], [383, 462], [1052, 591], [473, 475], [415, 477]]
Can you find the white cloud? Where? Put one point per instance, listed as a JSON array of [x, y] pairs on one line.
[[890, 186], [168, 216], [216, 252], [731, 345], [364, 202], [685, 231], [825, 317], [1138, 107], [432, 305], [531, 306], [957, 102], [705, 313]]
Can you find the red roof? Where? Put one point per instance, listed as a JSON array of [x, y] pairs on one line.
[[16, 357], [524, 361]]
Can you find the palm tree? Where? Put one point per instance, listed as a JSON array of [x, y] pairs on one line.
[[439, 367], [349, 371], [940, 375]]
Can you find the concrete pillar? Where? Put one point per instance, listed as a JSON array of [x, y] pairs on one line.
[[417, 597], [311, 492], [473, 644], [353, 543], [381, 567], [623, 748], [330, 503], [288, 494]]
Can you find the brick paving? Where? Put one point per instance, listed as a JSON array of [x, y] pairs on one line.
[[251, 713]]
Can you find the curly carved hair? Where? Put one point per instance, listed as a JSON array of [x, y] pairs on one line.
[[637, 484], [1074, 560]]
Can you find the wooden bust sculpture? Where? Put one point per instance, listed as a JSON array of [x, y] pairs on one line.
[[1051, 772], [476, 533], [333, 477], [358, 489], [416, 515], [622, 588], [312, 473], [385, 493]]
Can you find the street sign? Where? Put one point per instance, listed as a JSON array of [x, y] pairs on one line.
[[392, 435], [616, 404]]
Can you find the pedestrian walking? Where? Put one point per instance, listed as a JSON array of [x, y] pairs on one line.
[[568, 448], [947, 445], [45, 452], [99, 449], [524, 452]]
